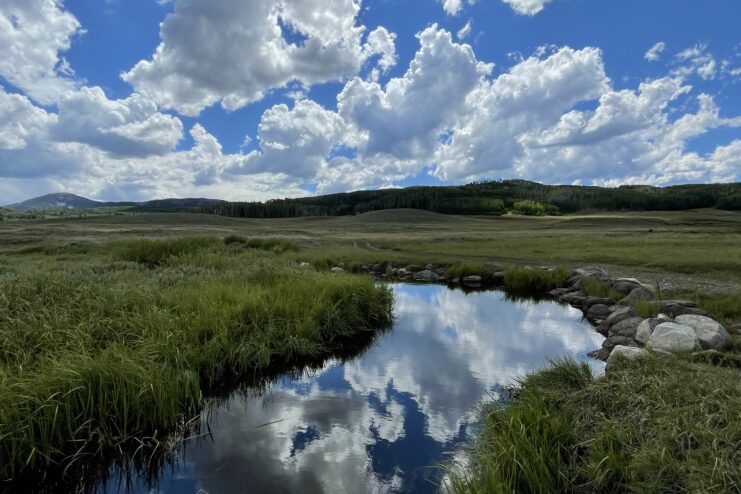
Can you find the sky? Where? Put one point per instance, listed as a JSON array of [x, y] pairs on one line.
[[260, 99]]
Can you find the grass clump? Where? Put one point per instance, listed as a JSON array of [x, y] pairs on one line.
[[596, 288], [528, 280], [154, 253], [653, 425], [98, 353]]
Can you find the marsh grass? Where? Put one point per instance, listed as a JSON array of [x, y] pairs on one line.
[[596, 288], [125, 344], [654, 425], [528, 280]]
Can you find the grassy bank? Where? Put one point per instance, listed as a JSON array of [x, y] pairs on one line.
[[656, 425], [103, 343]]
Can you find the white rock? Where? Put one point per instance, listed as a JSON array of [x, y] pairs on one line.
[[624, 352], [304, 265], [711, 334], [646, 328], [673, 337], [337, 269]]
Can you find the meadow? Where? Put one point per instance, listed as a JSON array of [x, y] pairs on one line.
[[111, 343], [117, 327]]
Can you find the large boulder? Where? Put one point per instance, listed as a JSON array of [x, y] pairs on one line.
[[711, 334], [472, 279], [674, 338], [646, 328], [626, 327], [622, 352], [425, 275], [619, 315]]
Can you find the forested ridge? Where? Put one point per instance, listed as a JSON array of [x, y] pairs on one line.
[[495, 197]]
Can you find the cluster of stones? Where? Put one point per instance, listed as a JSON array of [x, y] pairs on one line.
[[429, 274], [680, 326]]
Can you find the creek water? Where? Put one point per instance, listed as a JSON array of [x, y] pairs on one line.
[[384, 420]]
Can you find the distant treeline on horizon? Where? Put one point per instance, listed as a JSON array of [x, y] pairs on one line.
[[494, 198]]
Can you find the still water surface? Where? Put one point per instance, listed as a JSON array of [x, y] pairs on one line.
[[381, 421]]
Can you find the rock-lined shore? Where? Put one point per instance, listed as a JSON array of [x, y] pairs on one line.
[[680, 326]]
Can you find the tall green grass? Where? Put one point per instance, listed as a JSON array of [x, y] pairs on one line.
[[528, 280], [122, 346], [653, 425]]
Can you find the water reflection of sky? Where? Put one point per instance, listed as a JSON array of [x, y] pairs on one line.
[[381, 422]]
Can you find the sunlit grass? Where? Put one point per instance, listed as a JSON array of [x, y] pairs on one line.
[[125, 343]]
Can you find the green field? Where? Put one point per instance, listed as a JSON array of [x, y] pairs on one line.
[[116, 327]]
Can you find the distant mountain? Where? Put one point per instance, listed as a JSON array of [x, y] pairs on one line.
[[65, 200], [62, 200]]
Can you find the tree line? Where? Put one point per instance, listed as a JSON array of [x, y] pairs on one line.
[[494, 198]]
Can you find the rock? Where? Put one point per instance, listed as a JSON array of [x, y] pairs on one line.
[[625, 353], [626, 327], [680, 307], [394, 271], [574, 279], [591, 271], [429, 267], [600, 354], [472, 279], [662, 353], [304, 265], [402, 272], [638, 293], [337, 269], [455, 280], [619, 315], [378, 268], [598, 311], [590, 301], [425, 275], [441, 271], [710, 333], [603, 329], [613, 341], [498, 277], [646, 328], [673, 337], [575, 298], [559, 291], [625, 285]]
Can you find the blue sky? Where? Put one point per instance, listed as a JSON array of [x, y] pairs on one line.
[[258, 99]]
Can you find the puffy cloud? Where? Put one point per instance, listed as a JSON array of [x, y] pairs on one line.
[[128, 127], [33, 33], [534, 94], [527, 7], [654, 53], [20, 121], [233, 52], [382, 42], [295, 141], [399, 120]]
